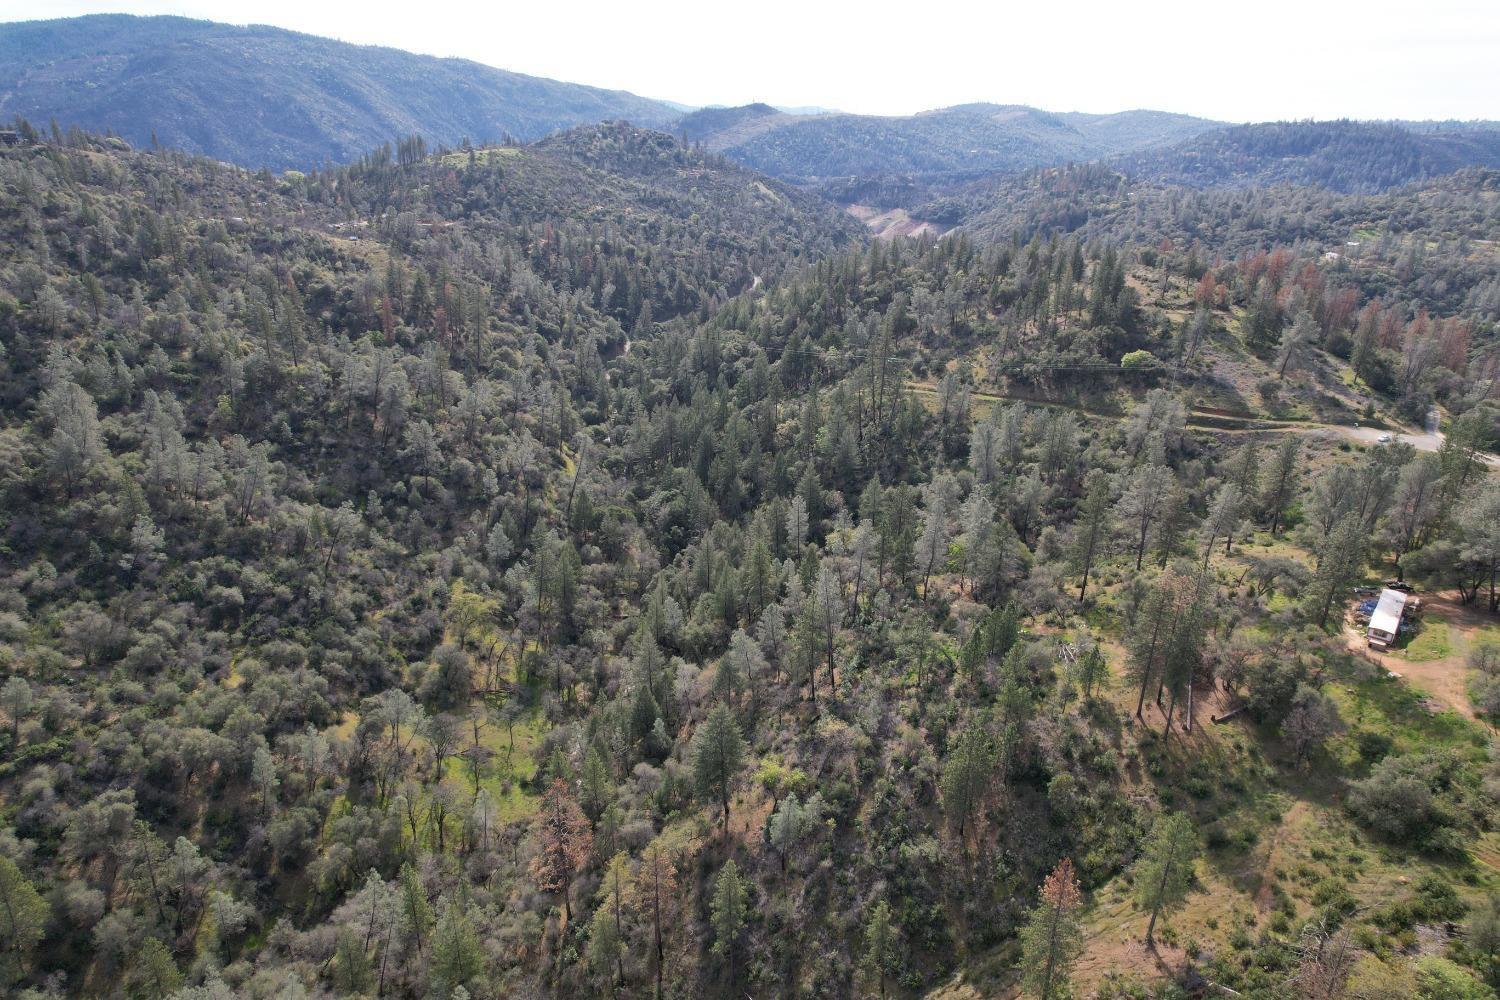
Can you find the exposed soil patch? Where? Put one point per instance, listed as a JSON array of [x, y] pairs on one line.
[[1265, 896], [1121, 950], [1445, 678], [887, 225]]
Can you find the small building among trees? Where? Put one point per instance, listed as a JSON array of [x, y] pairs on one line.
[[1385, 621]]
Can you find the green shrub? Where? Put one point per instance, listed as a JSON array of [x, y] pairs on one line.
[[1442, 979], [1373, 746], [1406, 799]]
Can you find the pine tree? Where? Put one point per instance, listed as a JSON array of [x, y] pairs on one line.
[[76, 443], [1295, 341], [1091, 530], [352, 971], [882, 948], [828, 607], [596, 789], [759, 578], [644, 712], [1140, 505], [153, 975], [747, 663], [1222, 518], [416, 911], [1153, 632], [1263, 319], [1182, 652], [1340, 560], [563, 837], [718, 753], [796, 525], [932, 545], [1165, 870], [1092, 672], [785, 828], [1415, 507], [23, 918], [263, 777], [729, 910], [457, 955], [1171, 525], [1244, 471], [1053, 936], [898, 531], [806, 650], [607, 929], [656, 889], [984, 450], [984, 555], [1281, 483], [966, 777]]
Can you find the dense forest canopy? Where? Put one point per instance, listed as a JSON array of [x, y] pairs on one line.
[[590, 567], [1430, 244]]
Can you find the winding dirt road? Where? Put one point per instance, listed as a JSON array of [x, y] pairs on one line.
[[1421, 440]]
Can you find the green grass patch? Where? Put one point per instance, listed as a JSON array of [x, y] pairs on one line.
[[458, 158], [1432, 642], [507, 772], [1387, 706]]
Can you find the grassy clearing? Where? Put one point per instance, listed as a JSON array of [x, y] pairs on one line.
[[505, 771], [1400, 713], [509, 745], [460, 157], [1280, 847], [1431, 642], [344, 728], [506, 761], [509, 770]]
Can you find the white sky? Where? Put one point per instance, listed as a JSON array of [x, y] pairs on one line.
[[1266, 59]]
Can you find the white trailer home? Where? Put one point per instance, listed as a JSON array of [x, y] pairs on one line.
[[1385, 622]]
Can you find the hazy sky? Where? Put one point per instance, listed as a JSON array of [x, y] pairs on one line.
[[1262, 60]]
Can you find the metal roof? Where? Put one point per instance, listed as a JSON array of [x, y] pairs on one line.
[[1387, 616]]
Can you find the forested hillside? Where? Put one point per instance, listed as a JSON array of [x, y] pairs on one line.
[[262, 96], [1345, 156], [587, 568], [892, 162], [939, 146], [1431, 243]]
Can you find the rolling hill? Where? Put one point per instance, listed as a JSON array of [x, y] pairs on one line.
[[587, 568], [939, 146], [1345, 156], [262, 96]]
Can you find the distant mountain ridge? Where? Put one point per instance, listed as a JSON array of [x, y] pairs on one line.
[[1345, 156], [947, 143], [263, 96]]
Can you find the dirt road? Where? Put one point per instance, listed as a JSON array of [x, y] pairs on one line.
[[1421, 440]]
